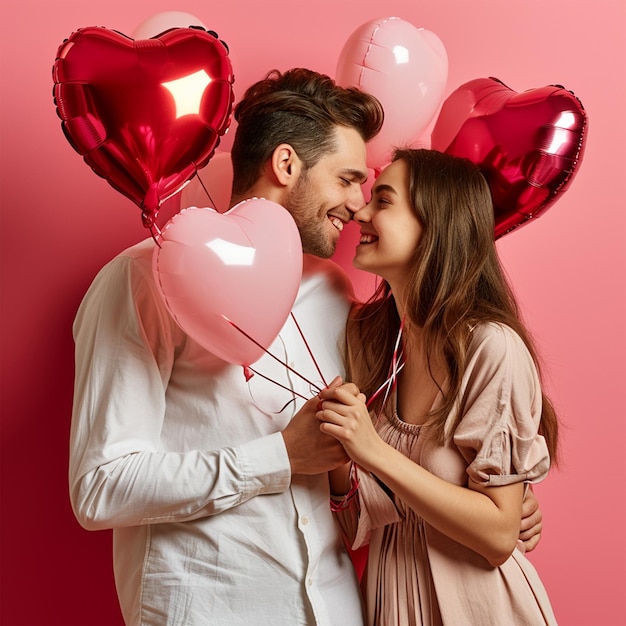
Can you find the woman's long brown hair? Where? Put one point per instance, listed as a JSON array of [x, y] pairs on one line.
[[456, 282]]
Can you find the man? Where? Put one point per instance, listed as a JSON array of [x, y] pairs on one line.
[[215, 486]]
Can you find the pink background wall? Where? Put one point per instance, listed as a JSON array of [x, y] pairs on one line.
[[61, 223]]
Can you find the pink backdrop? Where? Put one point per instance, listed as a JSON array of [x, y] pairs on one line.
[[60, 224]]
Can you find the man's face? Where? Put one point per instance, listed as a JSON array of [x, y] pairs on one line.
[[325, 196]]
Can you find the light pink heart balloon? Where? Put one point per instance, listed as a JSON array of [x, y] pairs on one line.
[[406, 68], [243, 266]]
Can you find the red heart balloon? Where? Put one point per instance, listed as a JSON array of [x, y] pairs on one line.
[[528, 145], [222, 275], [145, 114]]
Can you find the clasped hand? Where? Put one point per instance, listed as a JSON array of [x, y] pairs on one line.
[[327, 429], [310, 450], [344, 415]]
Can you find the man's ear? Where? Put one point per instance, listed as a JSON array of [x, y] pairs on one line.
[[286, 164]]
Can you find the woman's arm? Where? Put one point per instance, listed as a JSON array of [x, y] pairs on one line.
[[485, 519], [339, 480]]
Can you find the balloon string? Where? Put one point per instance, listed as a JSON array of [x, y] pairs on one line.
[[306, 343], [155, 231], [279, 384], [245, 334], [206, 190], [395, 367], [397, 363]]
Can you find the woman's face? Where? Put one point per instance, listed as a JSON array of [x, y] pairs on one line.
[[390, 230]]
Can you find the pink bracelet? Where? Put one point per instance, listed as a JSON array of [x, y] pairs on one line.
[[341, 504]]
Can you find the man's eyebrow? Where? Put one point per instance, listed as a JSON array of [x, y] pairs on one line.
[[355, 173]]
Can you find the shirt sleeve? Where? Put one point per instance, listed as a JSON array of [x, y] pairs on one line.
[[501, 404], [126, 344]]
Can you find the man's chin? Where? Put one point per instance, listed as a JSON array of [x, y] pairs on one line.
[[322, 253], [323, 249]]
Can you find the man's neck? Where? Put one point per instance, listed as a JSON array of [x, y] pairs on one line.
[[261, 189]]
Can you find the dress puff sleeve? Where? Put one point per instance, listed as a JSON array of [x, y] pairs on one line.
[[501, 403]]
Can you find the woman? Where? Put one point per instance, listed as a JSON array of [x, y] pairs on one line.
[[460, 425]]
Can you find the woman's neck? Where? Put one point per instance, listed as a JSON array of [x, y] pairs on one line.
[[420, 381]]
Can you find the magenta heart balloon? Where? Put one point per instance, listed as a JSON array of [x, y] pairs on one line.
[[145, 114], [529, 145], [230, 279]]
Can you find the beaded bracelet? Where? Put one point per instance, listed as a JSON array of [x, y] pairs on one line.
[[342, 503]]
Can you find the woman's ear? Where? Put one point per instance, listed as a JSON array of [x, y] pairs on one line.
[[286, 164]]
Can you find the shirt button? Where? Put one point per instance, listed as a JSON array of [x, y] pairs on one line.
[[305, 521], [309, 582]]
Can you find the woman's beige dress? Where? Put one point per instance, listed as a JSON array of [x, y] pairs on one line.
[[417, 575]]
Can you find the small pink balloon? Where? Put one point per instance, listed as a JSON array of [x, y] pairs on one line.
[[406, 68], [160, 22], [243, 266]]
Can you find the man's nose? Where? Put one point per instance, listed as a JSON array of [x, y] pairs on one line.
[[362, 215], [356, 200]]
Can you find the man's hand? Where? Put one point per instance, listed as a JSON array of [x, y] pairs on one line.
[[531, 526], [310, 450]]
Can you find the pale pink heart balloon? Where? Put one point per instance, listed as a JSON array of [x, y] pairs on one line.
[[158, 23], [406, 68], [225, 276]]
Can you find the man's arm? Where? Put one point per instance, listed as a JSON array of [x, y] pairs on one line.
[[120, 474], [531, 525]]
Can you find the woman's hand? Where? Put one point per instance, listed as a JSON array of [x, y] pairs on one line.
[[344, 415]]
